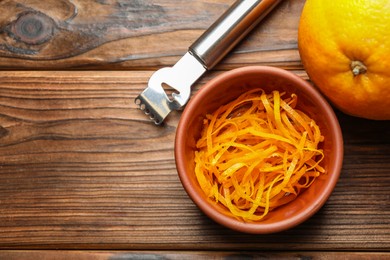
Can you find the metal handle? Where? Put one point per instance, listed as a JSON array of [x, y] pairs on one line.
[[229, 29]]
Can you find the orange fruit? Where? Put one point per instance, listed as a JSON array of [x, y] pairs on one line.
[[345, 49]]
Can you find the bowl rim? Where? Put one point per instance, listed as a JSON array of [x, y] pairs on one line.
[[259, 227]]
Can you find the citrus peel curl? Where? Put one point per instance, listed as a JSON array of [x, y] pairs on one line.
[[257, 153]]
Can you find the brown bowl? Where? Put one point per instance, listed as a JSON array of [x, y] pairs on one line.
[[227, 87]]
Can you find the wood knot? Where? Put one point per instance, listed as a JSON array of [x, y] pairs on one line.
[[33, 28], [3, 131]]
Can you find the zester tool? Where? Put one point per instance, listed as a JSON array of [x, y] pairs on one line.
[[202, 55]]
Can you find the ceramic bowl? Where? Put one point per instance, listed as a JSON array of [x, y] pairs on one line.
[[228, 86]]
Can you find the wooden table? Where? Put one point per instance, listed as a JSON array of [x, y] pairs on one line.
[[85, 175]]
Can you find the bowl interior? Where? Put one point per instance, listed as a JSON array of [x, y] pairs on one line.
[[229, 86]]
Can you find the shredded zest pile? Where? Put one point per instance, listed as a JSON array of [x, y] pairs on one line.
[[257, 153]]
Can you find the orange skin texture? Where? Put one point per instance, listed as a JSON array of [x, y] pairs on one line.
[[332, 35]]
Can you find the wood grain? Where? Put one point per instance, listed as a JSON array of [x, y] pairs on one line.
[[82, 168], [179, 255], [122, 34]]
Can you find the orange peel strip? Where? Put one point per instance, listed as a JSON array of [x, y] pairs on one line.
[[257, 153]]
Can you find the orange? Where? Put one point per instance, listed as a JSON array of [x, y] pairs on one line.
[[345, 49]]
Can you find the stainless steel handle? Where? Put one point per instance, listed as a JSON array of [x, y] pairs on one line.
[[229, 29]]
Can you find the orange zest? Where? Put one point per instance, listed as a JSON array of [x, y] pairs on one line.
[[257, 153]]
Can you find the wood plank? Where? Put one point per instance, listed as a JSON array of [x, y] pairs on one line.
[[120, 34], [82, 168], [179, 255]]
